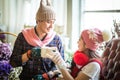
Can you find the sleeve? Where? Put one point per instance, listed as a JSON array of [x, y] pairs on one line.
[[16, 57], [60, 46], [92, 69]]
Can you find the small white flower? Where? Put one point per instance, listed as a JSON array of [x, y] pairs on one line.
[[92, 35]]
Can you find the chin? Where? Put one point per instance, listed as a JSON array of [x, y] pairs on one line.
[[48, 31], [80, 50]]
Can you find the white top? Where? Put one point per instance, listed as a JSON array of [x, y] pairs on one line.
[[92, 70]]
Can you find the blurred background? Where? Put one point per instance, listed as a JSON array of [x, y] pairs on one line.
[[72, 17]]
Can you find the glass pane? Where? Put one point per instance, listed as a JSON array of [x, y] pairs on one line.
[[102, 4], [100, 20]]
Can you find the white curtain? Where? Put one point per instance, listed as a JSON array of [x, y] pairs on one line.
[[17, 13], [13, 17]]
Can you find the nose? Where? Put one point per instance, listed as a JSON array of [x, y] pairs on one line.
[[51, 25], [78, 41]]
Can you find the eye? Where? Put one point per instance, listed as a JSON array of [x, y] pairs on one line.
[[51, 21], [48, 21]]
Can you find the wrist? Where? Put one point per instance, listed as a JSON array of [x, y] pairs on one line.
[[45, 76], [29, 54], [50, 74], [61, 66]]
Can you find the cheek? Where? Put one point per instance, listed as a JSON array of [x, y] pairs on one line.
[[47, 25], [81, 45]]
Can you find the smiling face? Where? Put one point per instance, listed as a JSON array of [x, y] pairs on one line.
[[46, 26]]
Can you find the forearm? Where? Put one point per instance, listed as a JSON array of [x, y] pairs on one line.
[[66, 74], [18, 60], [18, 54]]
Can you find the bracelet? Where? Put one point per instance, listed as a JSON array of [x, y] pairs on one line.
[[29, 54]]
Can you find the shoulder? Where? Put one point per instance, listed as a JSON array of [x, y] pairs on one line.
[[92, 69], [20, 35], [92, 66], [57, 37]]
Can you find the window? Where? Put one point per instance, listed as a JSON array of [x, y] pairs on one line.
[[101, 13], [30, 9]]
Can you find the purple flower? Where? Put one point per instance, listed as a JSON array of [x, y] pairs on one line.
[[5, 51], [5, 68]]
